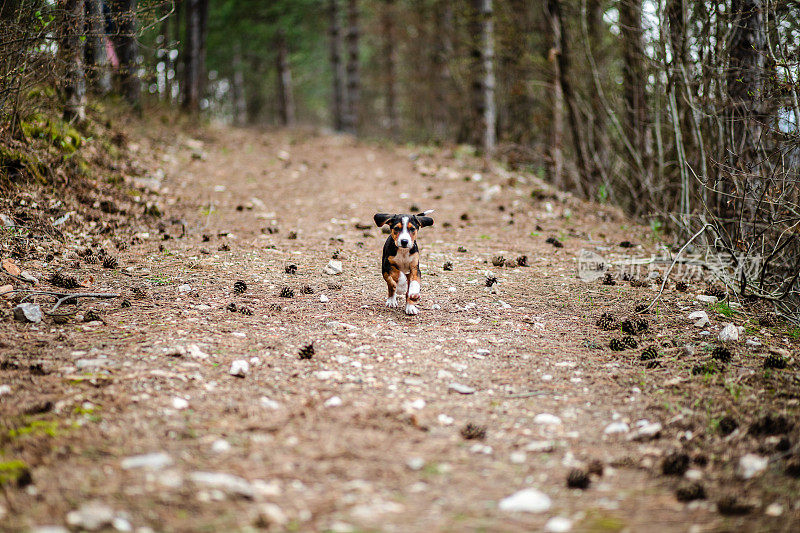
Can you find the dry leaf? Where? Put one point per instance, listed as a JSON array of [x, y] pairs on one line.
[[10, 267]]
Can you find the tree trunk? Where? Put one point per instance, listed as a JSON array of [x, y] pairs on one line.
[[70, 52], [192, 61], [483, 82], [97, 26], [285, 96], [237, 88], [442, 83], [634, 87], [128, 52], [390, 61], [573, 114], [556, 148], [336, 65], [746, 90], [353, 73]]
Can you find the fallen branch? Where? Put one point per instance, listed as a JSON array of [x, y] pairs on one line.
[[61, 298]]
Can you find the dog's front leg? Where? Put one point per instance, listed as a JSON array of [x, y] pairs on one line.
[[391, 283], [413, 296]]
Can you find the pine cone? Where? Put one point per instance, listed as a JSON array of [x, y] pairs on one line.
[[498, 261], [246, 310], [616, 345], [609, 279], [629, 342], [606, 322], [109, 261], [635, 282], [473, 431], [522, 261], [681, 286], [767, 320], [774, 361], [334, 286], [307, 351], [232, 307], [649, 353], [307, 289], [292, 235], [290, 269], [555, 242], [239, 287], [490, 280], [690, 492], [139, 292], [66, 282], [628, 327], [448, 266], [721, 353], [577, 479], [286, 292]]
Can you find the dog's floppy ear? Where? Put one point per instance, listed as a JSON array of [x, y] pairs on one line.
[[382, 218], [424, 221]]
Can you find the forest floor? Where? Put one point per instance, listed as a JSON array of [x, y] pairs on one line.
[[134, 421]]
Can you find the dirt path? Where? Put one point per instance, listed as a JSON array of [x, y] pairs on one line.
[[367, 434]]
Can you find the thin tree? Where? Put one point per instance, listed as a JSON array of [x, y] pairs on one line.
[[483, 80], [350, 122], [237, 87], [97, 25], [71, 49], [285, 96], [390, 62], [129, 51], [192, 62], [335, 32], [634, 88], [561, 52]]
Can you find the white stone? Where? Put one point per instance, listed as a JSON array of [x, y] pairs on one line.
[[220, 446], [445, 420], [774, 509], [185, 288], [729, 333], [558, 524], [647, 431], [700, 318], [5, 389], [547, 419], [223, 481], [121, 524], [415, 463], [616, 427], [152, 461], [526, 501], [269, 403], [547, 377], [706, 298], [324, 299], [482, 351], [179, 403], [751, 465], [333, 401], [91, 516], [543, 446], [28, 312], [193, 350], [333, 268], [461, 389], [239, 368], [693, 474], [271, 515], [415, 405], [517, 458]]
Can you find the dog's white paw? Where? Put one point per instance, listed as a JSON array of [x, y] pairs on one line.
[[412, 310], [392, 301]]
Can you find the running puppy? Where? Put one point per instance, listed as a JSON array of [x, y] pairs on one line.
[[401, 257]]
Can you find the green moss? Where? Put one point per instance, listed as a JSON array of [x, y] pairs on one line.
[[55, 131], [35, 428], [13, 161], [13, 471]]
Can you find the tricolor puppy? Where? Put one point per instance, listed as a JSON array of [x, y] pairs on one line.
[[401, 257]]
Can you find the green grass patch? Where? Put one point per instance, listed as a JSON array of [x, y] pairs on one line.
[[35, 428], [722, 308], [12, 471]]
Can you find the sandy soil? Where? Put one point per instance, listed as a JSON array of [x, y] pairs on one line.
[[367, 434]]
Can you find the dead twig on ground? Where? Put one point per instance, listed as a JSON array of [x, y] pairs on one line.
[[62, 298]]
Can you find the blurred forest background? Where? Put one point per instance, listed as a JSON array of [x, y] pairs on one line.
[[684, 114]]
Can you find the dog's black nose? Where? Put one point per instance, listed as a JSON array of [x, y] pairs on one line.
[[404, 243]]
